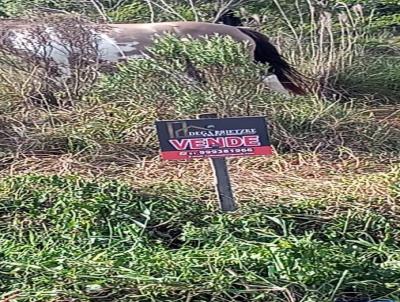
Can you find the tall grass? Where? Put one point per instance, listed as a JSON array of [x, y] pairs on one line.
[[127, 102], [230, 85], [331, 42]]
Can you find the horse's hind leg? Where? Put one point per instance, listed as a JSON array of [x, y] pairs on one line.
[[272, 82], [269, 80], [193, 73], [43, 98]]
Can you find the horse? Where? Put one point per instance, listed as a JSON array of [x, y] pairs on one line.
[[119, 42]]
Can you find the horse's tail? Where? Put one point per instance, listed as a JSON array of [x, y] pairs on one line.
[[265, 52]]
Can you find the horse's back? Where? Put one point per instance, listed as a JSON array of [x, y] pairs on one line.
[[144, 32]]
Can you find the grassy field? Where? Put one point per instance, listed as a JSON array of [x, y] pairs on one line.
[[309, 229], [89, 212]]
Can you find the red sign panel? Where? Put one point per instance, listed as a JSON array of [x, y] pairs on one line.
[[205, 138]]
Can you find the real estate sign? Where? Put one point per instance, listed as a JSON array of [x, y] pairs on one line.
[[213, 137]]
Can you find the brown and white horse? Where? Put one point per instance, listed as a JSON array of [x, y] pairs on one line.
[[117, 42]]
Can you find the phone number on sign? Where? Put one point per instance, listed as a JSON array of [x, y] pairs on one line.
[[218, 152]]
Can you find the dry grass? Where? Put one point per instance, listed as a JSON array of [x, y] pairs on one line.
[[263, 179]]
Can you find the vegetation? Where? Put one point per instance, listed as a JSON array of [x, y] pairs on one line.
[[69, 237], [88, 211]]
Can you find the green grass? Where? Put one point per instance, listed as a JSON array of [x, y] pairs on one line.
[[70, 239]]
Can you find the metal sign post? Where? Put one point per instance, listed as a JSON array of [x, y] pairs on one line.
[[222, 180]]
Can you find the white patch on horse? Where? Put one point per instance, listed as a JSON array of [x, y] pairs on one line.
[[108, 49], [112, 51], [52, 49], [274, 84], [127, 47], [138, 56]]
